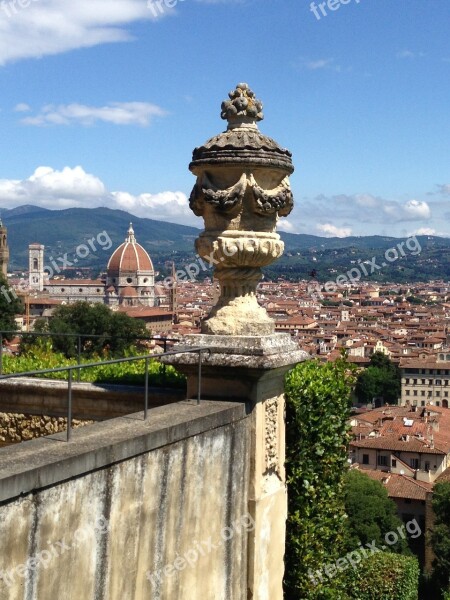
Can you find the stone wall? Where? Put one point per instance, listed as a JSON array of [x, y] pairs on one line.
[[15, 428], [130, 509], [90, 401]]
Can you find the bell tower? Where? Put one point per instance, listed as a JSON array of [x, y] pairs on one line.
[[4, 250], [36, 270]]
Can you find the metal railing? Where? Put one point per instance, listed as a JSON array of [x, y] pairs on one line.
[[78, 368], [79, 337]]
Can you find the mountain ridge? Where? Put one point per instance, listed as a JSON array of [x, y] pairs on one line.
[[61, 231]]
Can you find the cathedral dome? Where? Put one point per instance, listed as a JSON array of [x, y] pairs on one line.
[[129, 257]]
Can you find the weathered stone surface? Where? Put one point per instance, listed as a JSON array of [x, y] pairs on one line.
[[89, 401], [16, 428], [252, 369], [242, 189], [130, 509], [233, 351]]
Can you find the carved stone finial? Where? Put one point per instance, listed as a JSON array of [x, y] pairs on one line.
[[242, 189], [242, 106]]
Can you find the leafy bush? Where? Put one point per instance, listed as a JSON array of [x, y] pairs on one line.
[[383, 576], [440, 537], [132, 373], [318, 406]]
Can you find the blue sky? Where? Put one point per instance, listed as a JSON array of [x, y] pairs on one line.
[[103, 102]]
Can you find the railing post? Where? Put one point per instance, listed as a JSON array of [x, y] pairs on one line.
[[199, 388], [69, 407], [79, 357], [1, 353], [164, 382], [146, 391]]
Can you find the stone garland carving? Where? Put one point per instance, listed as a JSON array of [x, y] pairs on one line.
[[271, 424], [223, 200], [278, 200]]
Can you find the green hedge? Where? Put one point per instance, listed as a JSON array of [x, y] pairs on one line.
[[317, 408], [383, 576], [131, 373]]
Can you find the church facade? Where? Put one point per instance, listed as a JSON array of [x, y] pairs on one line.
[[130, 278]]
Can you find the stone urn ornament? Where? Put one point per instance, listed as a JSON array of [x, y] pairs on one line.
[[242, 189]]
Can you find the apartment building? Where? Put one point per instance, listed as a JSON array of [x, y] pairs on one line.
[[426, 380]]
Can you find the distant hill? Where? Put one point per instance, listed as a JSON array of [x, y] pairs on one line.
[[62, 231]]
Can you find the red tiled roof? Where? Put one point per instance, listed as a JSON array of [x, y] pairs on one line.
[[400, 486]]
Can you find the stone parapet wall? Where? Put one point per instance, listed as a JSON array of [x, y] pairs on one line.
[[15, 428], [130, 509]]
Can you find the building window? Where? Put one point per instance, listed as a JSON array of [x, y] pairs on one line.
[[423, 381], [427, 466], [422, 403], [407, 392], [129, 280], [394, 463], [414, 463], [422, 393], [80, 290], [415, 392], [365, 459], [382, 461]]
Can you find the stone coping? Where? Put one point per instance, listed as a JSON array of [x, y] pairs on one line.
[[82, 386], [47, 461], [247, 352]]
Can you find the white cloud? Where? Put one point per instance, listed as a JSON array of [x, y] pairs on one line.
[[164, 206], [424, 231], [320, 64], [409, 54], [73, 187], [285, 225], [416, 210], [330, 230], [22, 107], [366, 208], [118, 113], [52, 189], [47, 27]]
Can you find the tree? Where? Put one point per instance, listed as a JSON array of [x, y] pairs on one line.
[[371, 514], [115, 331], [380, 379], [440, 536], [318, 406], [10, 306]]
